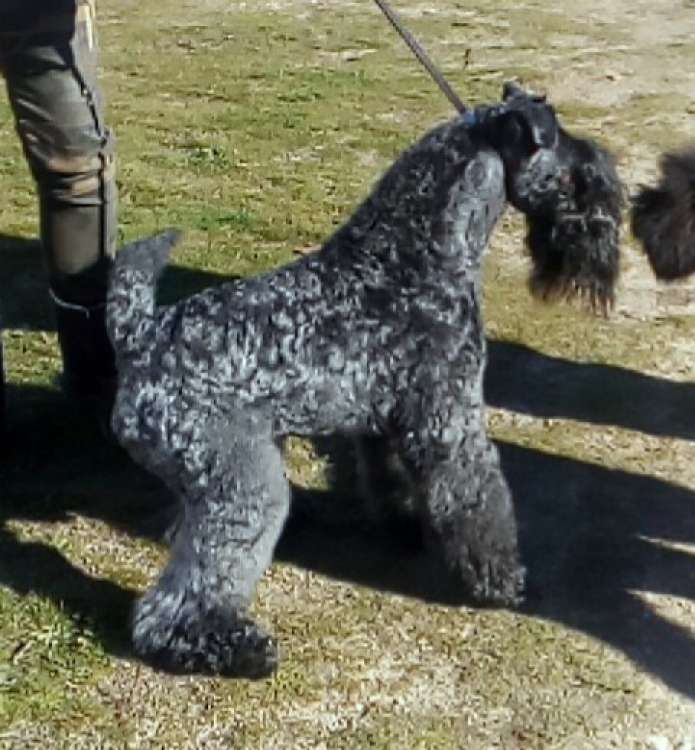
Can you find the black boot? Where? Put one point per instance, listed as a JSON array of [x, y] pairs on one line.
[[3, 422], [89, 369]]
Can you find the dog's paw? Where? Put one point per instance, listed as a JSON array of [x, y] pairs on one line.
[[489, 563], [479, 539], [497, 580], [238, 648]]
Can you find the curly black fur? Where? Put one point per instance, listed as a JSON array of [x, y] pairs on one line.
[[574, 240], [663, 217], [570, 192]]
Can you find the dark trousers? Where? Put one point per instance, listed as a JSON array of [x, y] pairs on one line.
[[48, 58]]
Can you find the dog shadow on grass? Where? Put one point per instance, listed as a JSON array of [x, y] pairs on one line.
[[524, 380], [592, 538], [24, 299]]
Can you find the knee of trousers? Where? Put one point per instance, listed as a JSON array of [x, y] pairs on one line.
[[72, 164], [74, 169]]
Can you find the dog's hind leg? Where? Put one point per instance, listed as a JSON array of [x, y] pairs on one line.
[[236, 500], [383, 484], [465, 499]]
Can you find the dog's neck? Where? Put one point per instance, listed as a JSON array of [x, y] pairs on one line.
[[434, 209]]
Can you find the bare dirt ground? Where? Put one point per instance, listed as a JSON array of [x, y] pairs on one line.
[[595, 419]]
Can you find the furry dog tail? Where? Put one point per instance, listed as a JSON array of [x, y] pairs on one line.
[[130, 301], [663, 217]]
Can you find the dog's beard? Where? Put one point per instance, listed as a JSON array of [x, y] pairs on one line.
[[575, 247], [574, 256], [663, 217]]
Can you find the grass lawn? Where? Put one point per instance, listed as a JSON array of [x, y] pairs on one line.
[[256, 128]]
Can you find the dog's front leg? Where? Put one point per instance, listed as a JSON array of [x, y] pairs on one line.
[[470, 509], [465, 499]]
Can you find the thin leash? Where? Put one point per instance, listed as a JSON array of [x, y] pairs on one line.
[[422, 56]]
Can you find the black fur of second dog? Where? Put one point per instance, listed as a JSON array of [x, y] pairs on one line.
[[663, 216], [380, 333]]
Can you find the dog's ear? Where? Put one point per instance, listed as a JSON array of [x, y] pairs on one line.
[[513, 135], [663, 217], [511, 90], [593, 174], [523, 123]]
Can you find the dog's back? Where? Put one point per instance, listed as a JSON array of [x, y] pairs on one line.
[[320, 335]]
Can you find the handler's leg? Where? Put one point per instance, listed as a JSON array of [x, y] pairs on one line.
[[50, 70]]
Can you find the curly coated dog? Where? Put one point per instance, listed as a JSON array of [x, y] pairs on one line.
[[378, 334], [663, 216]]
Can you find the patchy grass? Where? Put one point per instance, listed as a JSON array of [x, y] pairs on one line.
[[257, 128]]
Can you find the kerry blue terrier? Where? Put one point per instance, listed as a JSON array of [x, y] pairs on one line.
[[378, 334]]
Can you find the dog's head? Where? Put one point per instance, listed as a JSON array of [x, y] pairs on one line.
[[663, 217], [571, 195]]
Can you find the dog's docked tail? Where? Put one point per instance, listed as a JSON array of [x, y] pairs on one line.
[[130, 301], [663, 217]]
